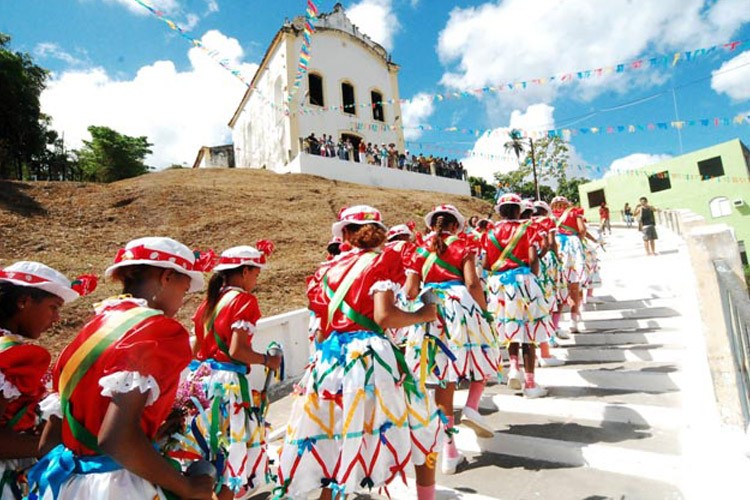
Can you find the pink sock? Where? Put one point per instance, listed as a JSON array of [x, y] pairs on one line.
[[529, 379], [450, 446], [475, 393], [514, 362], [426, 492], [556, 319]]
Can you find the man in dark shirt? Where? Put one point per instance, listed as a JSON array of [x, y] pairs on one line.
[[645, 214]]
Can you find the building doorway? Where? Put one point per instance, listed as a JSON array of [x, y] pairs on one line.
[[355, 140]]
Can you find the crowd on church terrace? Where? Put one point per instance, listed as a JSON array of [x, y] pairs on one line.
[[135, 406], [382, 156]]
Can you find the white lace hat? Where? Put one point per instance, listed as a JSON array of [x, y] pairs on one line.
[[37, 275]]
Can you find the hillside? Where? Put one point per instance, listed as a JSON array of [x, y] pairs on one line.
[[78, 227]]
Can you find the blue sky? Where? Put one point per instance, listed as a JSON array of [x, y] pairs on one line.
[[115, 64]]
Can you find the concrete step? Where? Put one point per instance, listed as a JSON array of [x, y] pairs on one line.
[[577, 410], [605, 457], [630, 380], [617, 354]]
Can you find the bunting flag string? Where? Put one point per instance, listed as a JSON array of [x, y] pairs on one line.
[[594, 170], [213, 54], [311, 15], [740, 119], [659, 61]]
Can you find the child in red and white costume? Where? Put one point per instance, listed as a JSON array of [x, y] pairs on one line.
[[31, 295], [225, 324], [571, 229], [358, 417], [461, 341], [400, 239], [117, 382], [544, 228], [516, 298]]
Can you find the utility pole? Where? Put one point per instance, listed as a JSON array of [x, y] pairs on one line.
[[533, 166]]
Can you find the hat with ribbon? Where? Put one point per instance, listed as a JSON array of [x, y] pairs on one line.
[[37, 275], [543, 205], [509, 199], [399, 230], [445, 209], [559, 199], [360, 215], [246, 256], [527, 205], [161, 252]]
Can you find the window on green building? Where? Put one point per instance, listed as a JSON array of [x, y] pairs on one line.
[[659, 182], [713, 167]]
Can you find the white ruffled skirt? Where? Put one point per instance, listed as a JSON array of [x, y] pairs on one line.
[[117, 485], [518, 304], [573, 258], [460, 345], [358, 419], [235, 414]]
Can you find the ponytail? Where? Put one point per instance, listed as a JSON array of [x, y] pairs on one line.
[[441, 222], [215, 284]]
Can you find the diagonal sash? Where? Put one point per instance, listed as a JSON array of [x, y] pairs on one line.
[[5, 344], [432, 258], [209, 326], [508, 251], [337, 297], [114, 327], [562, 218]]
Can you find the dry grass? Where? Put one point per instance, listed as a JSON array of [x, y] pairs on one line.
[[77, 227]]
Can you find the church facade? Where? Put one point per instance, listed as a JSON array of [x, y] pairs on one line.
[[350, 90]]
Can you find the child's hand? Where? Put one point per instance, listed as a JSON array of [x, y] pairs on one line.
[[274, 362], [198, 488], [428, 313]]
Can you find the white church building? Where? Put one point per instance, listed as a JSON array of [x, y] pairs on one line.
[[350, 91]]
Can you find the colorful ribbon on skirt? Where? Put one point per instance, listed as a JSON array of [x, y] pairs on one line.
[[57, 466]]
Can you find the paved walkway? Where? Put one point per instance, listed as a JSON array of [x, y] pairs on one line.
[[630, 415]]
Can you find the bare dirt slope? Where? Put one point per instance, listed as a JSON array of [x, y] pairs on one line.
[[78, 227]]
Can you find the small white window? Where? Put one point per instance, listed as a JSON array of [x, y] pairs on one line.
[[720, 207]]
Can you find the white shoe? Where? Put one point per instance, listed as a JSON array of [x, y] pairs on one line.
[[448, 465], [535, 392], [487, 403], [562, 334], [472, 419], [514, 379], [548, 362], [574, 327]]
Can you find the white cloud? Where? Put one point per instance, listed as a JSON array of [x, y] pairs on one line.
[[733, 77], [178, 111], [508, 40], [415, 111], [634, 162], [376, 19], [489, 155], [50, 50]]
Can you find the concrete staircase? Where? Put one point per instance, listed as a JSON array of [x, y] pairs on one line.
[[631, 414]]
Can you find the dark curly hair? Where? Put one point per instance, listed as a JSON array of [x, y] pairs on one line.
[[11, 294], [365, 236]]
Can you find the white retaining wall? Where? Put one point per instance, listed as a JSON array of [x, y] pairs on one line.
[[373, 175]]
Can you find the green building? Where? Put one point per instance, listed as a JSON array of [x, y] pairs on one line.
[[713, 182]]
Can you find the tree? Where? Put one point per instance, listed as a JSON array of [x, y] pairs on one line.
[[482, 189], [552, 157], [569, 188], [110, 156], [517, 182], [22, 127]]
